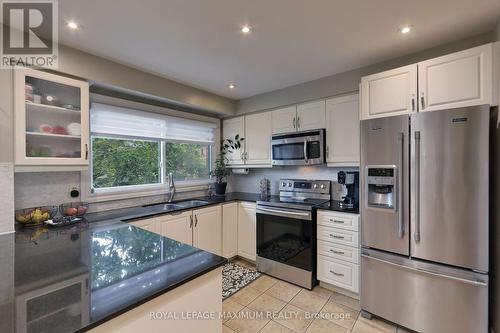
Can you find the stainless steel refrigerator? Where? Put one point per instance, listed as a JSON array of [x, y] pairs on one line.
[[425, 193]]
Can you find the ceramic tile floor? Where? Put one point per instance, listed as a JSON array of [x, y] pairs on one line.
[[295, 310]]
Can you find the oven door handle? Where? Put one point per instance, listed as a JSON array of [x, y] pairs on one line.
[[285, 213]]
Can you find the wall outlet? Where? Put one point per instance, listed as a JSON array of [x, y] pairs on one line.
[[74, 191]]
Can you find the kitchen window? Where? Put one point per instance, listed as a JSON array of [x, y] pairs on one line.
[[133, 151]]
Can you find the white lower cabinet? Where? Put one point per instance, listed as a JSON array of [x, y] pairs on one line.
[[339, 273], [177, 227], [247, 230], [201, 228], [146, 224], [207, 230], [230, 230], [338, 251]]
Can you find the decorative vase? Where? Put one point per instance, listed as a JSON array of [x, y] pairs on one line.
[[220, 188]]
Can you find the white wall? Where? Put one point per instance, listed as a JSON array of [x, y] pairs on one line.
[[106, 72], [347, 82], [6, 152]]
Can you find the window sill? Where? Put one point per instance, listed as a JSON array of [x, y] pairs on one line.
[[141, 193]]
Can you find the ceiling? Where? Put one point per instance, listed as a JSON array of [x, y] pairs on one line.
[[199, 42]]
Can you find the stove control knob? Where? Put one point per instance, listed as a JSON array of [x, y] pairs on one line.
[[315, 186], [323, 186], [290, 184], [283, 184]]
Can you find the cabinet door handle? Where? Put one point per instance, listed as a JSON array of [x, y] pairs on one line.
[[337, 252], [413, 104], [191, 221], [422, 101], [335, 273], [338, 237], [298, 122], [196, 220], [337, 221], [294, 124], [86, 151]]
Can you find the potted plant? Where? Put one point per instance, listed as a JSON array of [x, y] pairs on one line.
[[221, 171]]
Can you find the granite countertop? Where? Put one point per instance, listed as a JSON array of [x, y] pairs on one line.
[[74, 278], [133, 213]]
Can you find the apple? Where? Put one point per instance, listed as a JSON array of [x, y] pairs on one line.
[[71, 211]]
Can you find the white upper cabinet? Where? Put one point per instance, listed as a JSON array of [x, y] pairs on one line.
[[284, 120], [342, 131], [389, 93], [310, 116], [51, 120], [258, 139], [207, 233], [456, 80], [231, 127], [303, 117]]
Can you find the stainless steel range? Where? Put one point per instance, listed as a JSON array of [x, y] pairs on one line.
[[286, 231]]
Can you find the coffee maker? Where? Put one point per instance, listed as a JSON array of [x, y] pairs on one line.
[[350, 180]]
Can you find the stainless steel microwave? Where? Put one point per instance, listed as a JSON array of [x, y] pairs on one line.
[[299, 148]]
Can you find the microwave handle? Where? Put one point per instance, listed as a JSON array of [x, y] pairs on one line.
[[305, 151]]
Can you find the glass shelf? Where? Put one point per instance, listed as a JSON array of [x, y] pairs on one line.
[[53, 128]]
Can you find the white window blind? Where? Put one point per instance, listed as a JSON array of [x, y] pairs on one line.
[[112, 120]]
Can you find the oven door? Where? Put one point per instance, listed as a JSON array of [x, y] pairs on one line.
[[305, 148], [286, 236]]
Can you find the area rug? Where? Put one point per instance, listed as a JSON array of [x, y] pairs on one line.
[[235, 277]]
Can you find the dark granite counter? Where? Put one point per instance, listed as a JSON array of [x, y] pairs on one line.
[[73, 278]]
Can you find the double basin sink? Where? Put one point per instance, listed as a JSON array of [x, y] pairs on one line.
[[178, 205]]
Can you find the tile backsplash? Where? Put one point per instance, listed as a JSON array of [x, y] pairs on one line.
[[44, 188], [52, 188], [250, 182]]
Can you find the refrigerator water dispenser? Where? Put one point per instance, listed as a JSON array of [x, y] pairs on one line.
[[381, 187]]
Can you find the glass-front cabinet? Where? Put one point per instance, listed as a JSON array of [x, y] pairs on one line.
[[51, 116]]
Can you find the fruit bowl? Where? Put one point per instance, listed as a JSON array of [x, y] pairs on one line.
[[36, 215], [77, 209]]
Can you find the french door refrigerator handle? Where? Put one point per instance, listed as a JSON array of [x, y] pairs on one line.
[[401, 230], [424, 271], [417, 187]]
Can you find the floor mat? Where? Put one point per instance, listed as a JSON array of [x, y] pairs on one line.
[[235, 277]]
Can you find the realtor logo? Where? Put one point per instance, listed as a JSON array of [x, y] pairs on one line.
[[29, 34]]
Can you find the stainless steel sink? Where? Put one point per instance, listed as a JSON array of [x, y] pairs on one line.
[[191, 203], [164, 206], [171, 206]]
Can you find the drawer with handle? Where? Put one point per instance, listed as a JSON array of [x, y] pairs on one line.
[[338, 273], [339, 236], [338, 220], [338, 251]]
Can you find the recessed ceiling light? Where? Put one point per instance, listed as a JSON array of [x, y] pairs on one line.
[[246, 29], [231, 86], [405, 30], [72, 25]]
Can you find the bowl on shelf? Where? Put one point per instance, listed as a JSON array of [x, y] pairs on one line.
[[36, 215], [77, 209]]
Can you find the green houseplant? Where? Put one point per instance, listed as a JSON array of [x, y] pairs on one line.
[[221, 171]]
